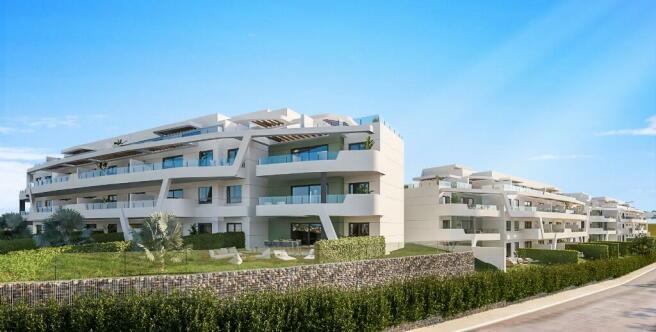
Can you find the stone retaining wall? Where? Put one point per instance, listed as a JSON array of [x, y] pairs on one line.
[[349, 275]]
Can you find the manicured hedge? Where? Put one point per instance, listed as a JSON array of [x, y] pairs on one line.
[[216, 240], [548, 256], [315, 309], [624, 247], [118, 246], [613, 248], [480, 266], [16, 244], [590, 251], [349, 249]]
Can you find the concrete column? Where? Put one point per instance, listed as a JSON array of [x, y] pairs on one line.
[[324, 187]]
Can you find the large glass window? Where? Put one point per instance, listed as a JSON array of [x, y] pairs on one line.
[[204, 195], [232, 155], [310, 153], [360, 229], [359, 188], [204, 228], [172, 162], [175, 193], [233, 193], [233, 227], [307, 233], [205, 158], [111, 201], [356, 146], [306, 194], [111, 170]]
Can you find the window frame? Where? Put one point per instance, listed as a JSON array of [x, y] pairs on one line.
[[361, 146], [360, 232], [229, 193], [202, 158], [234, 227], [169, 196], [174, 160], [208, 199], [352, 186]]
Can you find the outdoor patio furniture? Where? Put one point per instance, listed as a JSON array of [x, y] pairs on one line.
[[310, 255], [220, 254], [236, 259], [282, 255], [266, 254]]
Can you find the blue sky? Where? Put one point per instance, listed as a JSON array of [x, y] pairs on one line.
[[557, 91]]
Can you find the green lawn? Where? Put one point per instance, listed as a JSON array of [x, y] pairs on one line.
[[32, 267], [411, 249]]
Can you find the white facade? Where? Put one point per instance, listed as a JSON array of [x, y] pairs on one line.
[[612, 219], [454, 205], [272, 174]]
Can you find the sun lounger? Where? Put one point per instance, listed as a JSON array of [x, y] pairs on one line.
[[264, 255], [282, 255], [310, 255], [220, 254]]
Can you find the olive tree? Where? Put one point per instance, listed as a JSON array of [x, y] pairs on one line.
[[13, 225], [64, 227]]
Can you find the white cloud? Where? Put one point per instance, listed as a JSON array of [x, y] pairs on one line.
[[23, 125], [12, 181], [561, 157], [54, 122], [650, 130], [22, 154], [14, 162]]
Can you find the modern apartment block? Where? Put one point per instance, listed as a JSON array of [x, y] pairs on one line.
[[491, 212], [273, 174], [612, 219]]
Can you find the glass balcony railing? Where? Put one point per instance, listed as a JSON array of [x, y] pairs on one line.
[[122, 205], [292, 158], [47, 181], [305, 199], [524, 208], [43, 209], [192, 132], [510, 187], [454, 185], [152, 167]]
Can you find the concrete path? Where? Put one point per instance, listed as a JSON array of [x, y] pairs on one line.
[[624, 304]]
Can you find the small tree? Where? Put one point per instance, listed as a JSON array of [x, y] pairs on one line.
[[368, 143], [643, 245], [60, 228], [12, 225], [160, 233]]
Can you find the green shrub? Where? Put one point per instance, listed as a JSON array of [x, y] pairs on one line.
[[100, 237], [481, 266], [643, 245], [624, 248], [215, 241], [613, 247], [312, 309], [590, 251], [16, 244], [118, 246], [349, 249], [548, 256]]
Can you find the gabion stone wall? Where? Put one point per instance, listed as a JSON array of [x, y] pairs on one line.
[[348, 275]]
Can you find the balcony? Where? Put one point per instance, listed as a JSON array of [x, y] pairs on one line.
[[319, 162], [477, 210], [545, 212], [634, 221], [602, 219], [144, 173], [453, 185], [336, 205], [459, 234], [602, 231]]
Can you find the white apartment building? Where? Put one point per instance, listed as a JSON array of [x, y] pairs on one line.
[[612, 219], [273, 174], [492, 213]]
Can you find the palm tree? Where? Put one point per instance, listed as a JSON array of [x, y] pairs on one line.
[[160, 233], [60, 228], [368, 143], [12, 225], [119, 142]]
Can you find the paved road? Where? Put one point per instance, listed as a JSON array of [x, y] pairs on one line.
[[630, 307]]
